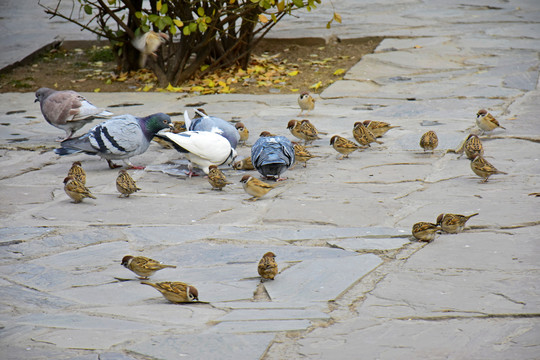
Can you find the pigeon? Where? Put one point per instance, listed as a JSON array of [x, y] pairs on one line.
[[214, 124], [203, 148], [272, 155], [121, 137], [67, 110]]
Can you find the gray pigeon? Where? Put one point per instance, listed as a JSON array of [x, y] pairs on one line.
[[272, 155], [203, 122], [120, 137], [67, 110]]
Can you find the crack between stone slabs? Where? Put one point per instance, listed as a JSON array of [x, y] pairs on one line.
[[510, 299], [517, 137], [27, 170], [468, 317]]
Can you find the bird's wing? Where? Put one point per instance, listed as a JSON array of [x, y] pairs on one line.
[[119, 135], [61, 106], [206, 145]]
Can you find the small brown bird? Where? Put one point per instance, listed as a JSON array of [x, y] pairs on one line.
[[266, 134], [424, 231], [486, 121], [175, 291], [303, 130], [243, 131], [216, 178], [301, 154], [453, 223], [484, 169], [473, 147], [125, 184], [255, 187], [343, 146], [244, 164], [429, 141], [268, 268], [378, 128], [147, 44], [363, 135], [76, 190], [306, 102], [177, 127], [142, 266], [77, 172]]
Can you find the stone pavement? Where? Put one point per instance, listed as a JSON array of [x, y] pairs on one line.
[[351, 284]]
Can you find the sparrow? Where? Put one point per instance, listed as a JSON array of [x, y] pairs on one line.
[[121, 137], [125, 184], [243, 131], [255, 187], [77, 172], [76, 190], [175, 291], [473, 147], [306, 102], [486, 121], [301, 154], [429, 141], [378, 128], [363, 135], [303, 130], [424, 231], [453, 223], [268, 268], [343, 146], [147, 44], [142, 266], [67, 110], [483, 168], [244, 164], [216, 178]]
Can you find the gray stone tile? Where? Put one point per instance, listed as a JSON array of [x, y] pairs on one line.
[[320, 280], [360, 244], [114, 356], [263, 326], [204, 346], [273, 314], [90, 339]]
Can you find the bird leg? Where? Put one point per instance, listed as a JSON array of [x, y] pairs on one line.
[[113, 165], [281, 179]]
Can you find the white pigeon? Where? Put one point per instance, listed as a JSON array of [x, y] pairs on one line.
[[203, 148], [67, 109], [203, 122], [148, 43]]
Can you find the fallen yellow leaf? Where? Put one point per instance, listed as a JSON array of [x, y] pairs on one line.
[[339, 72], [293, 73], [97, 90], [316, 85]]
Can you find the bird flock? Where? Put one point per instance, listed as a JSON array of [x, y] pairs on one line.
[[209, 142]]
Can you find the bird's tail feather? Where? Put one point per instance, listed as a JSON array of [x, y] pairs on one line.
[[187, 120], [65, 151]]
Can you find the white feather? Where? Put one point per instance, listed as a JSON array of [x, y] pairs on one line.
[[205, 148], [187, 120]]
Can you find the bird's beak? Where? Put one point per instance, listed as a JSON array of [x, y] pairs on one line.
[[36, 100]]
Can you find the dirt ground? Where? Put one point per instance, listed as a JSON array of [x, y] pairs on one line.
[[278, 66]]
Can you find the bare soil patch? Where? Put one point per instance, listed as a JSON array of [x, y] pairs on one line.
[[278, 66]]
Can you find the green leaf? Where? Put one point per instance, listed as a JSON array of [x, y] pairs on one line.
[[153, 18], [200, 11], [298, 3], [186, 31], [193, 26], [173, 30], [164, 9], [88, 9], [145, 28], [161, 24], [178, 23], [167, 20], [202, 27], [138, 14]]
